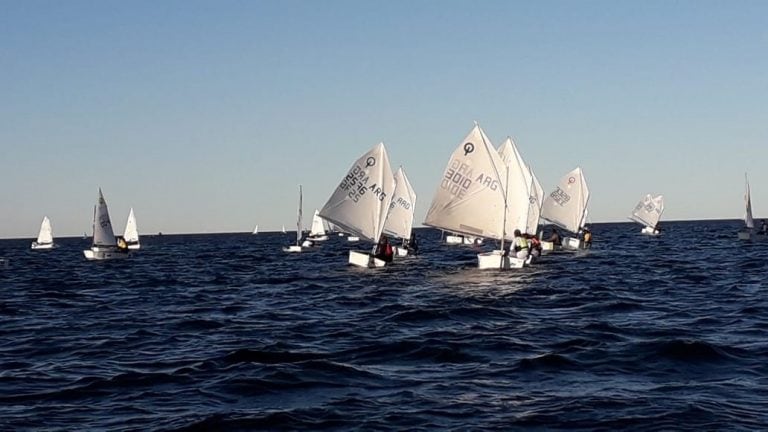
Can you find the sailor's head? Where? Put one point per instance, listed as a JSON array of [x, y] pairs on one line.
[[517, 233]]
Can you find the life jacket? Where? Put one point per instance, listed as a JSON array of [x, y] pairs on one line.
[[388, 249], [521, 243]]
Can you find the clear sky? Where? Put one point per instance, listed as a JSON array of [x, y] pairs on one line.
[[204, 116]]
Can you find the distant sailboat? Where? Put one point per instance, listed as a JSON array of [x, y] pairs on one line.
[[131, 234], [256, 229], [566, 207], [748, 232], [45, 236], [297, 247], [400, 217], [317, 231], [104, 245], [360, 203], [284, 232], [647, 212]]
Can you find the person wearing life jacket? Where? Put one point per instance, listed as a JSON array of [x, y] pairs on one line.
[[384, 250], [521, 245], [535, 244]]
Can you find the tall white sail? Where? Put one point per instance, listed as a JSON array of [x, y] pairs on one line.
[[537, 197], [131, 233], [45, 236], [522, 203], [298, 218], [470, 198], [400, 218], [748, 220], [566, 206], [318, 228], [648, 211], [102, 226], [360, 203]]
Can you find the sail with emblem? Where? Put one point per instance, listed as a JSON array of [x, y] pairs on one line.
[[566, 206], [648, 211], [470, 198], [360, 203], [400, 218]]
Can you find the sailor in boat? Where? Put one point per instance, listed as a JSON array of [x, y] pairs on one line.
[[555, 237], [521, 245], [122, 246], [764, 228], [534, 244], [587, 238], [413, 246], [384, 250]]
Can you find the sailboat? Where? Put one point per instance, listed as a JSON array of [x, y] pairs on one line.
[[473, 195], [131, 234], [566, 207], [647, 212], [45, 236], [400, 217], [528, 221], [284, 232], [317, 232], [748, 232], [104, 245], [297, 247], [256, 230], [360, 203]]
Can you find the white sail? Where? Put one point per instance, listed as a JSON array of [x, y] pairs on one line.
[[537, 197], [45, 236], [102, 225], [131, 234], [566, 206], [748, 220], [256, 229], [360, 203], [400, 218], [648, 211], [318, 228], [298, 219], [470, 198], [522, 203], [283, 229]]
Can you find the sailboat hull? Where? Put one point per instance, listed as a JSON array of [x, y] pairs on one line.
[[649, 231], [104, 254], [353, 238], [497, 260], [42, 246], [134, 246], [293, 249], [745, 234], [572, 244], [364, 259], [401, 251], [318, 238]]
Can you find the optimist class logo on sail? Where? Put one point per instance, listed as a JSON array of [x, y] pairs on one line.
[[459, 176], [356, 181]]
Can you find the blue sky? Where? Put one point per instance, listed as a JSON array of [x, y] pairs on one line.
[[205, 116]]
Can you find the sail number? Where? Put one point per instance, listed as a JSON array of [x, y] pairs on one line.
[[355, 185], [400, 201], [459, 177], [560, 196]]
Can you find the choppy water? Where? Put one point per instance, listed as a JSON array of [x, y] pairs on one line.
[[226, 332]]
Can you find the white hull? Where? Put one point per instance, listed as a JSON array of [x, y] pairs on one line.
[[363, 259], [452, 239], [548, 246], [292, 248], [401, 251], [43, 246], [571, 243], [747, 235], [318, 238], [467, 240], [353, 238], [307, 244], [649, 231], [103, 254], [134, 246], [497, 260]]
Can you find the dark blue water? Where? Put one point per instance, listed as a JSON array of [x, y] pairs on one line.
[[226, 332]]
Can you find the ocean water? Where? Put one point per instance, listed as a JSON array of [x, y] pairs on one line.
[[227, 332]]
